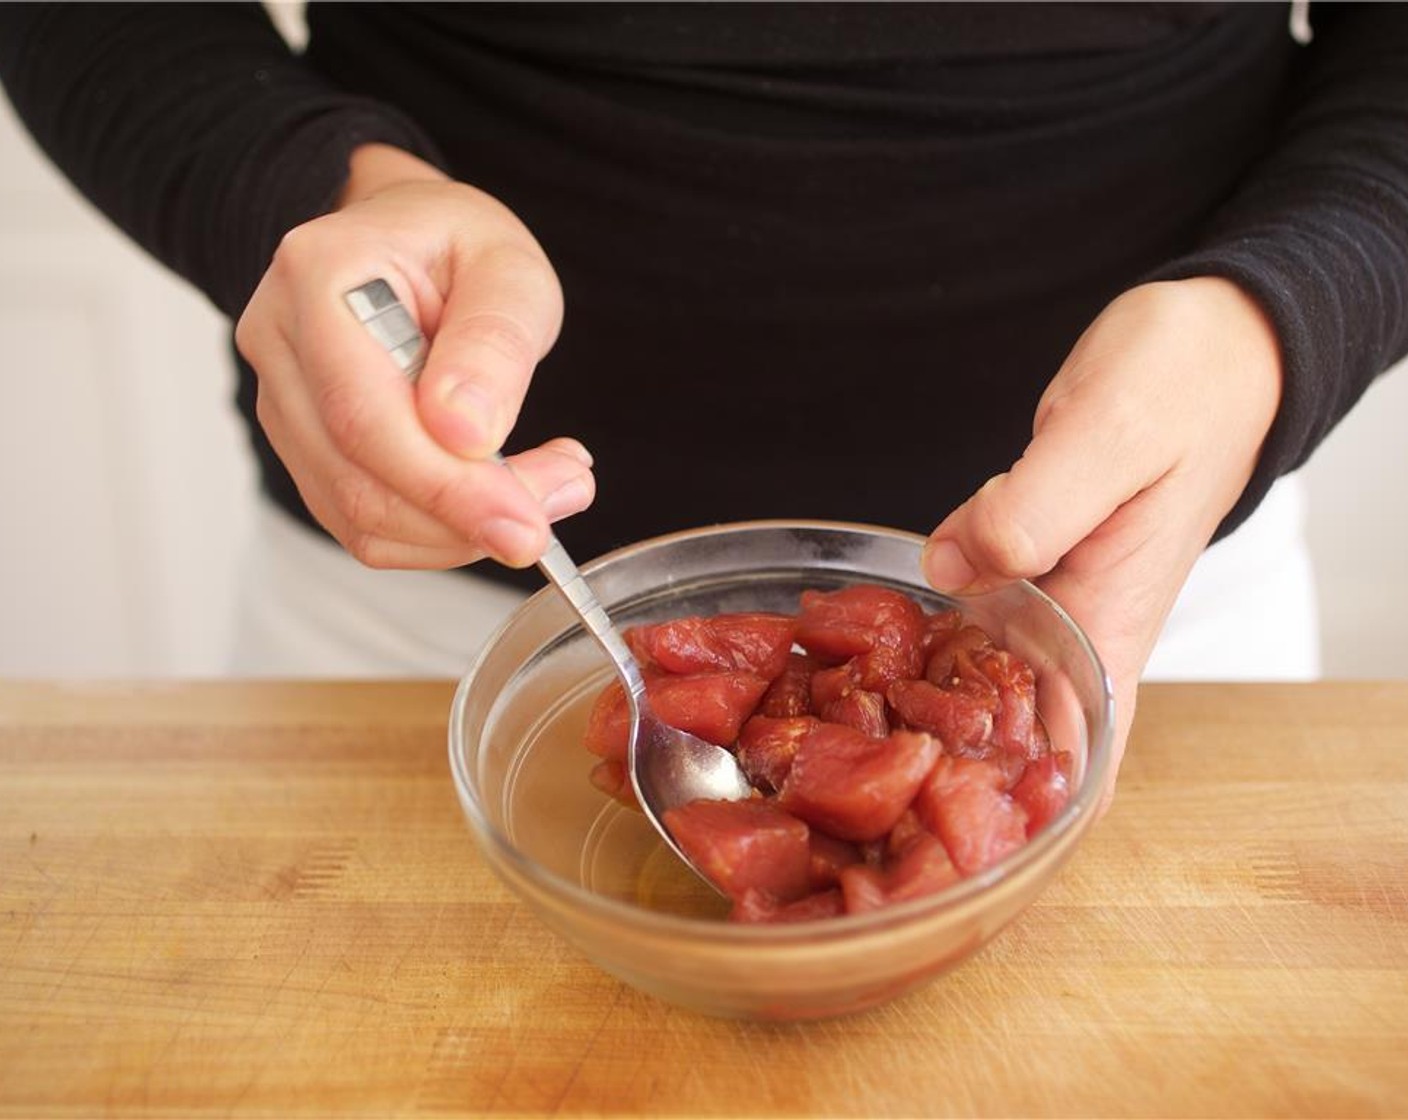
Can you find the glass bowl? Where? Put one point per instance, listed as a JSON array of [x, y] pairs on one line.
[[594, 871]]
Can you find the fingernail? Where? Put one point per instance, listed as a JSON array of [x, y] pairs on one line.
[[945, 566], [578, 452], [572, 496], [513, 542], [475, 405]]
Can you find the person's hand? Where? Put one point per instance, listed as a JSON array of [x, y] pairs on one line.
[[1142, 442], [396, 472]]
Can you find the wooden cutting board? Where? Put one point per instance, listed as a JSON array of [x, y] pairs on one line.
[[261, 899]]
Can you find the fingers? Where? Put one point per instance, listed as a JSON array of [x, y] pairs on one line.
[[366, 408], [400, 473], [566, 488], [379, 527], [341, 416], [502, 315], [1174, 381], [1084, 462]]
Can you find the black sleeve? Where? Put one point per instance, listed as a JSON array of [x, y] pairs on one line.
[[1318, 232], [192, 126]]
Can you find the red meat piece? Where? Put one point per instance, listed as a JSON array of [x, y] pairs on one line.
[[962, 721], [790, 693], [964, 805], [756, 642], [745, 844], [940, 668], [610, 776], [906, 829], [766, 747], [710, 705], [759, 906], [1014, 724], [863, 710], [923, 869], [829, 857], [837, 625], [1044, 789], [855, 787], [829, 685], [937, 628]]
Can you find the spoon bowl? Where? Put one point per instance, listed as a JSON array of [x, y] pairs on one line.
[[670, 768]]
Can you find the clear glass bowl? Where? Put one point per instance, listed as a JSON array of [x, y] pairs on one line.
[[595, 873]]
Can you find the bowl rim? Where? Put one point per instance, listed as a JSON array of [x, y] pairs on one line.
[[1083, 805]]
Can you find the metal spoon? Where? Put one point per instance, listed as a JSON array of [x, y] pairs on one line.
[[668, 767]]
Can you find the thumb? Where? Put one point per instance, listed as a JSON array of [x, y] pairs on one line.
[[501, 315], [1079, 510], [1021, 523]]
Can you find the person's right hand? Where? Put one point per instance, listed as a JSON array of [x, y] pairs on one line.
[[397, 472]]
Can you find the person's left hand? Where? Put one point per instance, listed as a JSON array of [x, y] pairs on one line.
[[1142, 443]]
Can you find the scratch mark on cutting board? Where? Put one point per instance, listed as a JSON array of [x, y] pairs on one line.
[[314, 874], [1277, 875]]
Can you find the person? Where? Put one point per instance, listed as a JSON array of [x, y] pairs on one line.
[[1065, 287]]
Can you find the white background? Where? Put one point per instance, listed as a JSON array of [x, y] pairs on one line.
[[126, 484]]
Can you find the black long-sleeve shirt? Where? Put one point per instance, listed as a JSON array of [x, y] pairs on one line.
[[819, 260]]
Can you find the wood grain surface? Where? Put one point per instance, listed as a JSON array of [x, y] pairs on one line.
[[261, 899]]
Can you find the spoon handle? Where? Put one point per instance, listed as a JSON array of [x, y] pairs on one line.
[[375, 305], [559, 568]]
